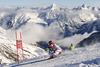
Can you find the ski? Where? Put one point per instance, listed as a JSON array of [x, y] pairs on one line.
[[39, 61]]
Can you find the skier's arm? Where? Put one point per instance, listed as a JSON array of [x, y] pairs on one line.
[[47, 49]]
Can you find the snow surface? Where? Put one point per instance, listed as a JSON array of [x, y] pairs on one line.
[[81, 57]]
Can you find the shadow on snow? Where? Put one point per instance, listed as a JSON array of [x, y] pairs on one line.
[[29, 62]]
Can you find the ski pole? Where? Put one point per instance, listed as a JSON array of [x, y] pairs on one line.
[[61, 43]]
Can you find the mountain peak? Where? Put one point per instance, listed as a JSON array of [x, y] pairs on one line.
[[53, 7], [84, 6]]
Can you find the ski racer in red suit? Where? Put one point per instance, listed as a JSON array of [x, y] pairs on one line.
[[54, 49]]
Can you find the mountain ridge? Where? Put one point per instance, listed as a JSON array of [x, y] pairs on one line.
[[92, 39]]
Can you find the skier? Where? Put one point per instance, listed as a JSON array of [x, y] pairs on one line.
[[54, 49], [72, 47]]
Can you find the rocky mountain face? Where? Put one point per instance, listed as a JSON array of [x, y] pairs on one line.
[[67, 21], [85, 7], [92, 39], [89, 27]]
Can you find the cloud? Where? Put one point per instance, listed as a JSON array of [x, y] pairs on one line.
[[32, 33]]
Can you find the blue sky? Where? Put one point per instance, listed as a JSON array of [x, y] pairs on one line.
[[40, 2]]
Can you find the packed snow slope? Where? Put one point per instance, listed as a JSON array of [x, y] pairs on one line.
[[81, 57]]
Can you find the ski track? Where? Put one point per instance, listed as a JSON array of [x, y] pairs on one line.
[[80, 57]]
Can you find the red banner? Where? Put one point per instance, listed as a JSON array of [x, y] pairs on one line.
[[19, 44]]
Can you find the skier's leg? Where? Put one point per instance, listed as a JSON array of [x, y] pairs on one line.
[[57, 52], [52, 55], [60, 52]]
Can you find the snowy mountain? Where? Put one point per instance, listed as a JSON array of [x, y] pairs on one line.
[[92, 39], [53, 7], [66, 21], [89, 27], [17, 19], [85, 7]]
